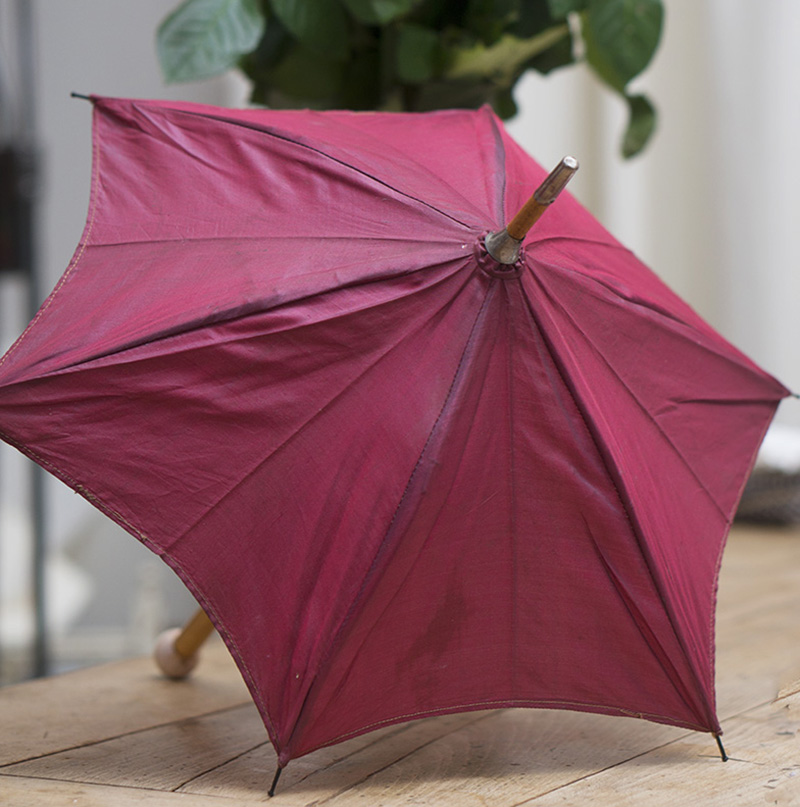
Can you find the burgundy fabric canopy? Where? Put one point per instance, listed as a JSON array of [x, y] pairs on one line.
[[401, 479]]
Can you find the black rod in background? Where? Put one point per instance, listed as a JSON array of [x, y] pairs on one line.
[[27, 185]]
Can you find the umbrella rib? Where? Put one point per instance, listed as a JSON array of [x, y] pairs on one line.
[[427, 171], [500, 151], [596, 281], [305, 238], [573, 238], [638, 402], [513, 509], [734, 355], [625, 500], [641, 622], [238, 315], [317, 413], [287, 139], [626, 505], [382, 545], [641, 303]]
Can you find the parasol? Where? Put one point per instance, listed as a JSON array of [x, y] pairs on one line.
[[406, 469]]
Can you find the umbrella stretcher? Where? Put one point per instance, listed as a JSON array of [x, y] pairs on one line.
[[409, 461]]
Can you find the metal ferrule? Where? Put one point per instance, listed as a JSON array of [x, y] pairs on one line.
[[502, 247]]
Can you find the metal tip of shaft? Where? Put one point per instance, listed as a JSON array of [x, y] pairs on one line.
[[80, 95], [556, 181]]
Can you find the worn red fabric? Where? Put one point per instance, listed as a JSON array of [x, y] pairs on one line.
[[400, 481]]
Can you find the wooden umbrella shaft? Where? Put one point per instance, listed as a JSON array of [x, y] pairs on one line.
[[545, 195], [194, 633], [528, 215]]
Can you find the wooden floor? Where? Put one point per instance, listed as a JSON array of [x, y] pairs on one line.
[[120, 735]]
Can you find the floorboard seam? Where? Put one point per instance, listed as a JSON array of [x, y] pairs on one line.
[[123, 734]]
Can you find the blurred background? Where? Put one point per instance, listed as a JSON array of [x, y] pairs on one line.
[[711, 206]]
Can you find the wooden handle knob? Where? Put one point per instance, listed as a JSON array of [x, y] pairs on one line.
[[169, 661]]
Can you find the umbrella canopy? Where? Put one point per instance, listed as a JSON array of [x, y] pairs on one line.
[[401, 478]]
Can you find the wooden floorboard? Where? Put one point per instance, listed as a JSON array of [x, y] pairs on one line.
[[110, 700], [121, 735], [24, 792], [764, 768], [330, 771], [508, 758], [758, 618], [161, 758]]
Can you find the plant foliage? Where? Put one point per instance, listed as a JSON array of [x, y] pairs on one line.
[[413, 55]]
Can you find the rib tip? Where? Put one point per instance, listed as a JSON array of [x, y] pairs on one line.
[[722, 753], [271, 791]]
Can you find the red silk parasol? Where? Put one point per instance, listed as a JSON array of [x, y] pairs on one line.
[[401, 477]]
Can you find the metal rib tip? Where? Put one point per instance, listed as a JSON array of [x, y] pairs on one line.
[[556, 181], [278, 772]]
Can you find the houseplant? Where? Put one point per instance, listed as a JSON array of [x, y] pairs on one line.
[[413, 55]]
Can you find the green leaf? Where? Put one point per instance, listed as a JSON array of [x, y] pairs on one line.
[[488, 20], [416, 53], [379, 12], [560, 8], [306, 78], [271, 50], [504, 104], [502, 61], [559, 55], [320, 25], [461, 93], [204, 38], [621, 37], [641, 125], [533, 18], [361, 85], [440, 14]]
